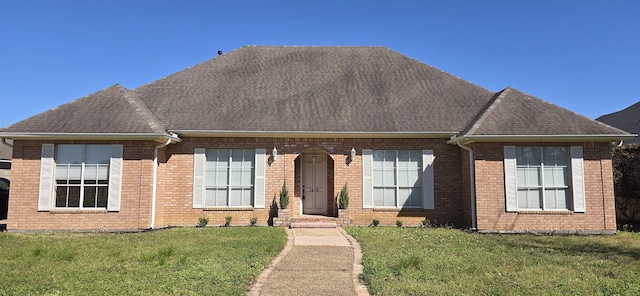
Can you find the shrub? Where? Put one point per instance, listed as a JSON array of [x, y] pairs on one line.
[[375, 222], [399, 223], [253, 221], [426, 223], [343, 202], [203, 221], [284, 196], [227, 221]]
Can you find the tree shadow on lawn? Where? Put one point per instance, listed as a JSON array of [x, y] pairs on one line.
[[586, 245]]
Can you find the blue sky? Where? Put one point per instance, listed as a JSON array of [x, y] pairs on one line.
[[581, 55]]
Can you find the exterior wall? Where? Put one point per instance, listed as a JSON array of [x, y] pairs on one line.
[[135, 200], [599, 197], [175, 202]]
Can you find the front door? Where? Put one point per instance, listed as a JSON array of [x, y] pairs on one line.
[[314, 183]]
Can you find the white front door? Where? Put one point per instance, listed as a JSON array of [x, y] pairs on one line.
[[314, 183]]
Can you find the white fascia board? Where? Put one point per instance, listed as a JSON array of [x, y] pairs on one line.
[[311, 134], [539, 138], [89, 136]]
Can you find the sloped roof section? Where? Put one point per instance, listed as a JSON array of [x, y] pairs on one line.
[[113, 110], [627, 119], [307, 89], [6, 152], [512, 112]]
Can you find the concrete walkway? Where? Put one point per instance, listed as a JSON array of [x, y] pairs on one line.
[[315, 261]]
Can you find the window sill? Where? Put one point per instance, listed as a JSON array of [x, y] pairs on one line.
[[547, 212], [397, 209], [243, 209], [78, 211]]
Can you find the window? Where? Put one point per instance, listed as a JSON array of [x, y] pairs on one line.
[[544, 178], [224, 178], [77, 176], [82, 176], [229, 178], [397, 179]]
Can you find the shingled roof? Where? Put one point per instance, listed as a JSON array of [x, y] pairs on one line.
[[627, 119], [279, 89], [308, 89], [513, 112], [113, 110]]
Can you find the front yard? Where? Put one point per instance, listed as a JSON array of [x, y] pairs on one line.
[[187, 261], [416, 261]]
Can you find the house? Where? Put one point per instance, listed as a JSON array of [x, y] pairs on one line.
[[627, 119], [219, 139]]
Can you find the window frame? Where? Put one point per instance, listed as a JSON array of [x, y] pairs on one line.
[[574, 180], [229, 170], [397, 187]]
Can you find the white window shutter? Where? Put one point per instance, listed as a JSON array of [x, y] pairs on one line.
[[577, 179], [510, 185], [427, 180], [259, 185], [115, 178], [46, 177], [199, 160], [367, 180]]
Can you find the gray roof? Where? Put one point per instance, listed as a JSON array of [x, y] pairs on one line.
[[112, 110], [342, 89], [310, 89], [627, 119], [513, 112], [6, 152]]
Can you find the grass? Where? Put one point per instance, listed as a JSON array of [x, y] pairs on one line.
[[438, 261], [184, 261]]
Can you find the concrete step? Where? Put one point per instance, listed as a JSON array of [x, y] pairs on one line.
[[313, 224]]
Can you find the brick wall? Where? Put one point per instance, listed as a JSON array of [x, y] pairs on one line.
[[490, 194], [135, 201], [176, 202]]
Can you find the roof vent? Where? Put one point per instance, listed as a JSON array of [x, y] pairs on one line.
[[219, 52]]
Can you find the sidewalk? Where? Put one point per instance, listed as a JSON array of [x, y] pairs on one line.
[[315, 261]]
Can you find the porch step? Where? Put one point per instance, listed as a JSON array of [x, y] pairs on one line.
[[311, 221], [313, 225]]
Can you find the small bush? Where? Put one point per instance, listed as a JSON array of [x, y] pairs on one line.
[[426, 223], [227, 221], [203, 221], [284, 196], [343, 202], [399, 223], [375, 222], [253, 221]]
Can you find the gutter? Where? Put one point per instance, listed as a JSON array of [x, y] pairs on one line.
[[313, 134], [154, 195], [472, 181], [541, 138]]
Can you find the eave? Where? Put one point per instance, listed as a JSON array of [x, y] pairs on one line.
[[309, 134], [90, 136], [467, 139]]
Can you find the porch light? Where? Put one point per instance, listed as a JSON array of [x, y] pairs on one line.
[[274, 153], [353, 154]]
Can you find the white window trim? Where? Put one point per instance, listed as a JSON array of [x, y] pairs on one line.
[[576, 190], [427, 181], [199, 188], [47, 193]]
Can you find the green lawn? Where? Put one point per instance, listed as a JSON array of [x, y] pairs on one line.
[[438, 261], [183, 261]]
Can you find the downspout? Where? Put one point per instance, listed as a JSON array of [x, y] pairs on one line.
[[155, 181], [472, 181]]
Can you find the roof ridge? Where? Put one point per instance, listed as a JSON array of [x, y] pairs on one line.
[[144, 112], [484, 113]]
